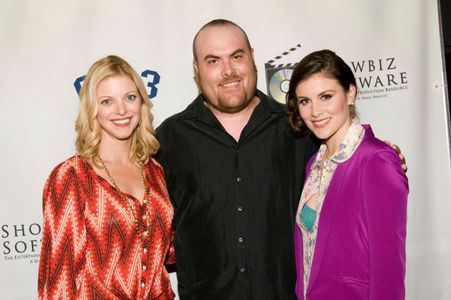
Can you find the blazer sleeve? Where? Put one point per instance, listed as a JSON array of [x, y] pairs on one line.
[[63, 236], [385, 196]]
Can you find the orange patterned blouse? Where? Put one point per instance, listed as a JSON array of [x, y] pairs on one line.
[[90, 245]]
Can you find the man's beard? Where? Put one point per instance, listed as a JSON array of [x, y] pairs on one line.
[[221, 103]]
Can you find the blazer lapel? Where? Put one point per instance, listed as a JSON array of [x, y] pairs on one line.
[[326, 219]]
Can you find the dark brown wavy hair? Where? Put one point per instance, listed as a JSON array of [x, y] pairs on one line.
[[323, 61]]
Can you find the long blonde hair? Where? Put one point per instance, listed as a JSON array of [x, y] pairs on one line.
[[143, 142]]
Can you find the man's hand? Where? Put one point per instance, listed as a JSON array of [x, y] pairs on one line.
[[401, 156]]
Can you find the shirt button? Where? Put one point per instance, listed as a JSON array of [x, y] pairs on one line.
[[240, 239], [242, 269], [240, 208], [144, 267], [238, 179], [143, 285], [145, 250]]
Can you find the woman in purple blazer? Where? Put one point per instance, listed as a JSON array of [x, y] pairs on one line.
[[350, 227]]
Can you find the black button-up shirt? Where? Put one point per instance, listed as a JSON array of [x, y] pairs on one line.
[[234, 201]]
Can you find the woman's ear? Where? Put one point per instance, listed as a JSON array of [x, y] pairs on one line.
[[351, 94]]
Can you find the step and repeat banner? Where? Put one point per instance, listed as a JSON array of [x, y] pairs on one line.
[[393, 47]]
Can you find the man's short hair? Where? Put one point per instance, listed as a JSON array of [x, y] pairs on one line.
[[219, 22]]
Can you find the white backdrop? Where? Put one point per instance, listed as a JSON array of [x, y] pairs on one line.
[[393, 46]]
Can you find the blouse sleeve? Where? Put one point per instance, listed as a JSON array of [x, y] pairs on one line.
[[170, 262], [63, 236], [385, 191]]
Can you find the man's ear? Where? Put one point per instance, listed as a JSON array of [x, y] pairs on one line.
[[196, 71]]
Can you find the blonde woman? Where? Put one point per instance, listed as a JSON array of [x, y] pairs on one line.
[[107, 216]]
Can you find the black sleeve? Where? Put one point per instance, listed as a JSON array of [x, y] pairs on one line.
[[306, 147], [163, 156]]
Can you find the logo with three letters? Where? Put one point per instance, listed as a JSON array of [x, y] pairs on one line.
[[150, 78]]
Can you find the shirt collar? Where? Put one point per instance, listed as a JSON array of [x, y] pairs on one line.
[[350, 142], [264, 110]]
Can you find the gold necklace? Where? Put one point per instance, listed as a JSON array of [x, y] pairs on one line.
[[130, 204]]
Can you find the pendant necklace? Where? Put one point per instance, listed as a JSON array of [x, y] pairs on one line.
[[130, 205]]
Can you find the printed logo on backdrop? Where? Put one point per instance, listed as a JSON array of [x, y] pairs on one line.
[[278, 75], [376, 78], [149, 77], [20, 242], [379, 78]]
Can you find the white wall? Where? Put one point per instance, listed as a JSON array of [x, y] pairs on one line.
[[45, 45]]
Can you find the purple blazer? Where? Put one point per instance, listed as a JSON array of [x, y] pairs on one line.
[[360, 248]]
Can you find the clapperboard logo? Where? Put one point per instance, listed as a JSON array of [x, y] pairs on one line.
[[278, 75]]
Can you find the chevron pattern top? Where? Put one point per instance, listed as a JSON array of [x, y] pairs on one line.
[[90, 246]]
